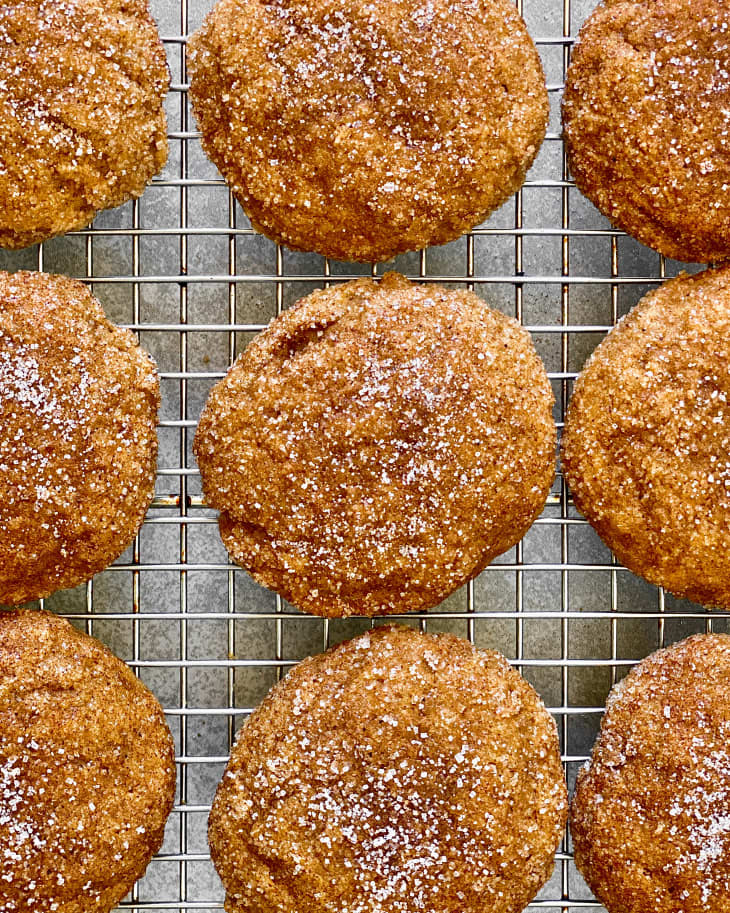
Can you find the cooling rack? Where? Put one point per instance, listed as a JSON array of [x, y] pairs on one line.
[[183, 268]]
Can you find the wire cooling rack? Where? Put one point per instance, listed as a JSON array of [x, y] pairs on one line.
[[183, 268]]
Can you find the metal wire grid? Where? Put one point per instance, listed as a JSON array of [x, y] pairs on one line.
[[209, 641]]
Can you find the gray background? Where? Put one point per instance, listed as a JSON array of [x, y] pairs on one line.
[[198, 631]]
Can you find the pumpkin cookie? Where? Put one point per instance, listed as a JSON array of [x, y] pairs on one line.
[[87, 770], [377, 446], [651, 813], [362, 130], [82, 126], [646, 448], [646, 113], [78, 439], [399, 771]]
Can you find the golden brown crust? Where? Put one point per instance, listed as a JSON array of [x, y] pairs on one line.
[[647, 123], [87, 770], [362, 130], [651, 814], [396, 773], [78, 441], [82, 127], [377, 446], [646, 448]]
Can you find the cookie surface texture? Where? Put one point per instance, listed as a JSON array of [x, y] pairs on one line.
[[82, 126], [646, 117], [87, 770], [377, 446], [361, 130], [646, 449], [396, 773], [651, 813], [78, 438]]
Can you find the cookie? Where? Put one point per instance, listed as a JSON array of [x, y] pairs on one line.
[[87, 770], [78, 441], [398, 772], [361, 130], [651, 814], [82, 125], [646, 448], [377, 446], [647, 123]]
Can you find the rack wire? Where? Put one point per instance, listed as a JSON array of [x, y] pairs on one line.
[[183, 268]]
